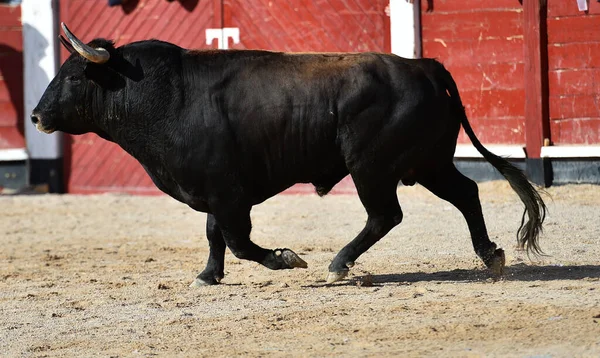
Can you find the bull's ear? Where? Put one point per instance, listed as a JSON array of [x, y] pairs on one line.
[[104, 76], [108, 45]]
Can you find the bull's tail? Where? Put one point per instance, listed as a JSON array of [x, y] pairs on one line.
[[535, 209]]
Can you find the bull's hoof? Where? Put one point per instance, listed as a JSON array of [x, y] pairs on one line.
[[336, 276], [290, 258], [201, 281], [497, 263]]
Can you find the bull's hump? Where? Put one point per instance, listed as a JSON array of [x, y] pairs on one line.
[[231, 54]]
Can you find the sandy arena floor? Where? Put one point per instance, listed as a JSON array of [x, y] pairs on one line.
[[108, 275]]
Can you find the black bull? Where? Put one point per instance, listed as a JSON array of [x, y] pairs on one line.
[[224, 130]]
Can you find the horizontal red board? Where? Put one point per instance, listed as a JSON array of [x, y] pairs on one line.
[[574, 29], [494, 103], [456, 53], [11, 91], [575, 106], [11, 40], [10, 16], [574, 55], [488, 76], [570, 8], [573, 82], [309, 26], [442, 6], [11, 137], [496, 130], [576, 131], [8, 114], [472, 26], [100, 164]]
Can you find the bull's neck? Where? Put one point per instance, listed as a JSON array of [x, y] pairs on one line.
[[118, 120], [106, 112]]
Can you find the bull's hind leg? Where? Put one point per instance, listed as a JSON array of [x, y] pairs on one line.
[[383, 210], [213, 273], [449, 184]]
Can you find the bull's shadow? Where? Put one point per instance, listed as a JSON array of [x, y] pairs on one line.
[[518, 272]]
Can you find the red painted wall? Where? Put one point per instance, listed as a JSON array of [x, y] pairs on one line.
[[574, 72], [11, 78], [481, 43], [328, 26]]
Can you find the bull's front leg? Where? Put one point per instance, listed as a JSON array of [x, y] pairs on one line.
[[234, 227], [213, 273]]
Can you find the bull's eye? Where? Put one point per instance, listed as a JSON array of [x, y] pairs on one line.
[[72, 79]]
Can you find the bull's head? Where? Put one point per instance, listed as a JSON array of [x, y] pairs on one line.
[[71, 98]]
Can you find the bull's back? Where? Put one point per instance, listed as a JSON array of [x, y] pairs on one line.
[[282, 112], [285, 116]]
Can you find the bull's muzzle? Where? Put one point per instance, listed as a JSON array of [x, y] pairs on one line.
[[37, 122]]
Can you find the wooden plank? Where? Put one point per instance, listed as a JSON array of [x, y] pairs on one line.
[[298, 25], [496, 130], [494, 103], [569, 8], [575, 106], [574, 72], [387, 30], [218, 20], [63, 54], [488, 76], [481, 44], [141, 15], [152, 20], [537, 126], [255, 33], [10, 90], [11, 103], [11, 137], [10, 16], [574, 55], [453, 6], [485, 51], [576, 131], [180, 21], [11, 40], [9, 114], [574, 82], [574, 29], [473, 26], [355, 26]]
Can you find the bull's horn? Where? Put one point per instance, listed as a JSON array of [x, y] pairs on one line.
[[96, 55]]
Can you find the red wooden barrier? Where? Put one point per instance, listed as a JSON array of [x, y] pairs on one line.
[[481, 43], [11, 78], [574, 72]]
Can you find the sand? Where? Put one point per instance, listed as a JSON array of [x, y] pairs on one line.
[[108, 275]]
